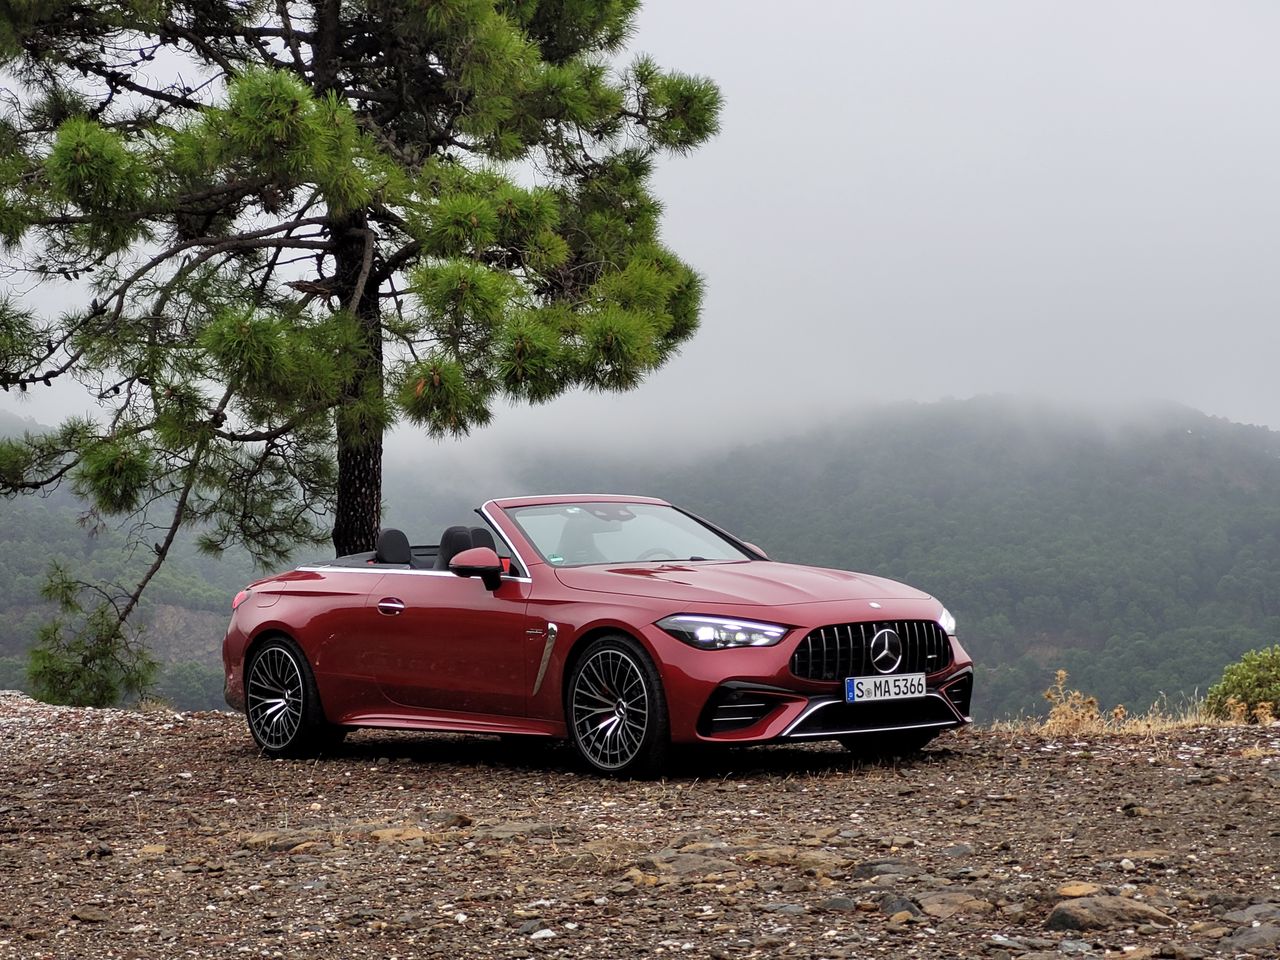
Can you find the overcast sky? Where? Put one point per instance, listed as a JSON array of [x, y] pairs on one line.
[[914, 200]]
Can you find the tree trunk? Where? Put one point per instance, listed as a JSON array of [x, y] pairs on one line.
[[358, 511]]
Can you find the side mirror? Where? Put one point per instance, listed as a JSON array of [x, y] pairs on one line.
[[479, 562], [756, 549]]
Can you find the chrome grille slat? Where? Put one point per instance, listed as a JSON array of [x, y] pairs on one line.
[[836, 651]]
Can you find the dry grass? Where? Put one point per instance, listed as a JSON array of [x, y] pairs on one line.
[[1073, 713]]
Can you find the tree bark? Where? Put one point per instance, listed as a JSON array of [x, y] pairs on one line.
[[358, 511]]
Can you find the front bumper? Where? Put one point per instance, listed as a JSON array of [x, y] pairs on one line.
[[743, 712], [750, 695]]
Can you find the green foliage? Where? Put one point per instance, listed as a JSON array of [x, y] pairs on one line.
[[680, 109], [1253, 682], [113, 475], [530, 357], [438, 395], [93, 168], [94, 662], [618, 348]]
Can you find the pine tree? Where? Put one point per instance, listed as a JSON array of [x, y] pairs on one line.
[[288, 225]]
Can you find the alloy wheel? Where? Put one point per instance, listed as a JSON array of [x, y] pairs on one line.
[[610, 708], [274, 697]]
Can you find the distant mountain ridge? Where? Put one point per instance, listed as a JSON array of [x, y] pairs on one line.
[[1140, 552]]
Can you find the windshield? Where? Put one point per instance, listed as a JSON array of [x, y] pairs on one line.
[[568, 534]]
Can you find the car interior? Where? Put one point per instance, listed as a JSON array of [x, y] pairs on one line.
[[394, 550]]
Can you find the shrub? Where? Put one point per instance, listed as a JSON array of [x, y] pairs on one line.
[[1072, 712], [1250, 688]]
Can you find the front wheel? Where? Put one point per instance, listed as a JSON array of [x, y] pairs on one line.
[[283, 703], [616, 710]]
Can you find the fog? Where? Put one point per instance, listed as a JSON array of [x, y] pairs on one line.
[[920, 200], [916, 200]]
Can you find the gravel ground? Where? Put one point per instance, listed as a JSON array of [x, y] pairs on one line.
[[154, 834]]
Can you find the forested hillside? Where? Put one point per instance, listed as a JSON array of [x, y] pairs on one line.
[[185, 609], [1141, 553]]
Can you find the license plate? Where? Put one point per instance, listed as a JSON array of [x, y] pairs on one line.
[[901, 686]]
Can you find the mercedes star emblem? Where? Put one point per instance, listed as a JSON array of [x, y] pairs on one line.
[[886, 650]]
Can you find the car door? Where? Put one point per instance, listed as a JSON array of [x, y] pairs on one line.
[[440, 642]]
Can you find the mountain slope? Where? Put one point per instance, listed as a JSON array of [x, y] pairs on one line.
[[1139, 552]]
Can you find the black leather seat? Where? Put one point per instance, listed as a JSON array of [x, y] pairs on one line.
[[578, 540], [392, 547], [452, 542], [481, 537]]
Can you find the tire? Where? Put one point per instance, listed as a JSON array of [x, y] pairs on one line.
[[282, 703], [616, 710], [884, 746]]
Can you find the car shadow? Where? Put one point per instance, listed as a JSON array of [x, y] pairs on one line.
[[688, 763]]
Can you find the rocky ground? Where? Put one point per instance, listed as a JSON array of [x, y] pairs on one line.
[[146, 835]]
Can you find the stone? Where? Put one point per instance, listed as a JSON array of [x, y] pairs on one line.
[[1255, 913], [790, 909], [892, 903], [887, 865], [635, 877], [1104, 913], [449, 819], [803, 857], [838, 904], [1252, 939], [686, 864], [957, 850], [1076, 889], [949, 903], [516, 828], [1151, 857], [90, 914], [399, 834]]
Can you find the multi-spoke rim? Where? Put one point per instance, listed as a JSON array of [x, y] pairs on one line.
[[274, 695], [610, 707]]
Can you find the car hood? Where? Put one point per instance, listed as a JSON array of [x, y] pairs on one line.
[[753, 583]]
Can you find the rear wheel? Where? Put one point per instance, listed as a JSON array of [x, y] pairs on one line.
[[283, 703], [882, 746], [616, 710]]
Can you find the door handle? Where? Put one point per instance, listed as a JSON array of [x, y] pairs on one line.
[[391, 606]]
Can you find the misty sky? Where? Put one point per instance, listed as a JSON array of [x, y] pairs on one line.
[[914, 200]]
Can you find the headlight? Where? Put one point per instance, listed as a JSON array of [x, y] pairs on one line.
[[717, 633], [947, 622]]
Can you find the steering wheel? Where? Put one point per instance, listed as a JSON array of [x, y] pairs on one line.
[[657, 553]]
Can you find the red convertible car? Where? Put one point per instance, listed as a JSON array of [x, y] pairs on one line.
[[621, 623]]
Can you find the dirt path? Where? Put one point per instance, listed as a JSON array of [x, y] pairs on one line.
[[155, 835]]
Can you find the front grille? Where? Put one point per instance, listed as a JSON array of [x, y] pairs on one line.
[[844, 649]]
